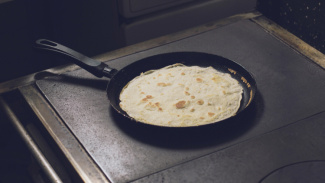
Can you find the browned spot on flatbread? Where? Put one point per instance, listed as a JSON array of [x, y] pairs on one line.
[[180, 104], [211, 114], [150, 106], [163, 84], [199, 80], [216, 79], [149, 96], [200, 102]]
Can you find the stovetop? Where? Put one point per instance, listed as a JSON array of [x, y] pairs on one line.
[[284, 125]]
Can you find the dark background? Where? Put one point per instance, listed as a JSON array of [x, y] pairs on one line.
[[72, 23], [92, 28], [305, 19]]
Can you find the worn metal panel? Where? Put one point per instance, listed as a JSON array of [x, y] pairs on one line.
[[294, 153]]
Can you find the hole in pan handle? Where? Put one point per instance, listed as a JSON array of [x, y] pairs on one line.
[[95, 67]]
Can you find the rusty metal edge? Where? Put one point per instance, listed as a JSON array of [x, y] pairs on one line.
[[29, 79], [291, 40], [67, 142]]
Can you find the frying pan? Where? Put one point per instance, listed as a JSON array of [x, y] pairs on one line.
[[118, 79]]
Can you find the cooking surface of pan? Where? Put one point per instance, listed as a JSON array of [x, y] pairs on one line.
[[200, 59]]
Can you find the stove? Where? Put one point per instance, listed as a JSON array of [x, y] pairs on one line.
[[283, 126]]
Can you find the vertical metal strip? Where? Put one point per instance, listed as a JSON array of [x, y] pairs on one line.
[[77, 156], [291, 40], [32, 146]]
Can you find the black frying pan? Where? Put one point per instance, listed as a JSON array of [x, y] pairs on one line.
[[118, 79]]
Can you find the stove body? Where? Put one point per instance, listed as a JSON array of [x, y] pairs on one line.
[[283, 126]]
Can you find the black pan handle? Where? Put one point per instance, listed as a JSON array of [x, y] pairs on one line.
[[95, 67]]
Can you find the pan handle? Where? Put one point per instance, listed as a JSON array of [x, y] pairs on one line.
[[95, 67]]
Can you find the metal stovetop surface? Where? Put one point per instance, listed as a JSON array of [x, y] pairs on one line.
[[286, 109]]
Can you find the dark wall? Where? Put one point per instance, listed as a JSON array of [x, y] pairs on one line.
[[92, 27], [20, 25], [304, 18], [87, 26]]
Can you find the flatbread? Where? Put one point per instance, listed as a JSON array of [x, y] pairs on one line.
[[181, 96]]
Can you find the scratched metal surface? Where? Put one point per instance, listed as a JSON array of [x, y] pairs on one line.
[[294, 153], [289, 89]]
